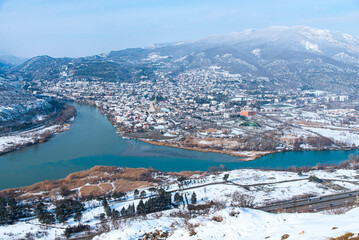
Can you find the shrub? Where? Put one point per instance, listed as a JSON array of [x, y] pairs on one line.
[[242, 200], [219, 205], [234, 214], [347, 236], [157, 234], [76, 229], [217, 218], [190, 227], [285, 236], [192, 232], [315, 179], [30, 236], [200, 207]]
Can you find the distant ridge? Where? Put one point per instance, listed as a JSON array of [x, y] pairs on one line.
[[8, 59], [275, 58]]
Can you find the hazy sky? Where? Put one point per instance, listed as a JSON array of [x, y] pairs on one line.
[[86, 27]]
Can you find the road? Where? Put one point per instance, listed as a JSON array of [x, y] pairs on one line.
[[247, 186], [276, 205], [314, 203]]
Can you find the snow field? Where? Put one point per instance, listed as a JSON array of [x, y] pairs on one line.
[[238, 223]]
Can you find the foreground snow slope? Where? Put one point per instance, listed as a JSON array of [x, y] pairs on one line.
[[236, 223], [246, 224]]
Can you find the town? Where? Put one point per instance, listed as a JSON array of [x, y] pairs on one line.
[[206, 110]]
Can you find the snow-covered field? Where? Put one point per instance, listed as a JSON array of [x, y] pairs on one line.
[[237, 223], [277, 191], [338, 135]]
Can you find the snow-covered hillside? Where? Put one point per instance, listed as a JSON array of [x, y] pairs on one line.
[[298, 38], [242, 224], [222, 218], [19, 109]]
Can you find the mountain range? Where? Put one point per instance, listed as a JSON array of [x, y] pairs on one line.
[[276, 58]]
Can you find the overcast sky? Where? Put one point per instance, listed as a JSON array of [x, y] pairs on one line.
[[86, 27]]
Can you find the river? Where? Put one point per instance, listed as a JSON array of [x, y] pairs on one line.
[[92, 140]]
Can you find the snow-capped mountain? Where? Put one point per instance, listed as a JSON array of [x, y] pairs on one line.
[[298, 38], [286, 57], [336, 45]]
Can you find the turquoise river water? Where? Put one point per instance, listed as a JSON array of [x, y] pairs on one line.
[[92, 140]]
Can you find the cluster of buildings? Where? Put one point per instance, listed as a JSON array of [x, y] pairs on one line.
[[173, 109]]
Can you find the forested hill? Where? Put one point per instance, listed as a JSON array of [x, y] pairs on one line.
[[19, 109]]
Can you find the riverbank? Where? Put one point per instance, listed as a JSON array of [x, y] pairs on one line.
[[243, 155], [19, 140], [221, 146], [98, 181], [111, 180]]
